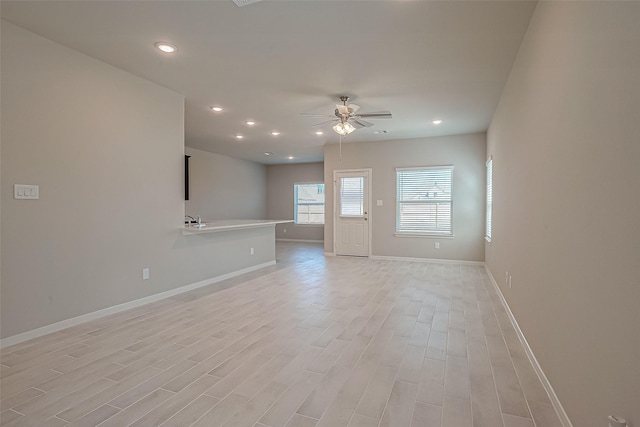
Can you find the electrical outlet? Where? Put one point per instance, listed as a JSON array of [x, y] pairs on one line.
[[252, 251], [145, 274], [285, 230], [436, 245], [509, 282]]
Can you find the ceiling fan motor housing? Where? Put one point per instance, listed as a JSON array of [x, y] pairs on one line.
[[343, 116]]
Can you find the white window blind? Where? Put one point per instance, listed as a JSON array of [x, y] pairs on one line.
[[489, 198], [309, 203], [424, 200], [351, 196]]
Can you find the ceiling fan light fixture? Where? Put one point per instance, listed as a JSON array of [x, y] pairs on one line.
[[437, 122], [348, 127], [343, 128]]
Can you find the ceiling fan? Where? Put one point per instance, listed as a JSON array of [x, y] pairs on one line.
[[347, 118]]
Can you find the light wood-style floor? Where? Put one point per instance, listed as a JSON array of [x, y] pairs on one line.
[[312, 341]]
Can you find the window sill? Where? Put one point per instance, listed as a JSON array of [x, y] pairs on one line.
[[309, 225], [424, 235]]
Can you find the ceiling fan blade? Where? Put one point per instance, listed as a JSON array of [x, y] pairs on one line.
[[353, 108], [342, 109], [324, 123], [316, 115], [361, 123], [376, 115]]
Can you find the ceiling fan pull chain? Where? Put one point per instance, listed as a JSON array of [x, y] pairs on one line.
[[340, 159]]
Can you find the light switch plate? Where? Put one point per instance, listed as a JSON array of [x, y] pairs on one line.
[[379, 203], [25, 191]]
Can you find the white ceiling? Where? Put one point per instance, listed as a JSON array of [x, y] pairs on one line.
[[270, 61]]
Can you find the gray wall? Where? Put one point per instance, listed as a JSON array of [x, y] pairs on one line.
[[106, 148], [565, 142], [222, 187], [280, 181], [465, 152]]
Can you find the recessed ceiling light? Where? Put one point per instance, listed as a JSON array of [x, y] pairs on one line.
[[290, 157], [216, 109], [319, 132], [166, 47], [268, 153], [250, 122], [239, 136], [275, 133], [437, 122]]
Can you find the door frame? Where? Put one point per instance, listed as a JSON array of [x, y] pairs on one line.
[[369, 172]]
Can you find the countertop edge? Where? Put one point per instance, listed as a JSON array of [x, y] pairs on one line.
[[212, 227]]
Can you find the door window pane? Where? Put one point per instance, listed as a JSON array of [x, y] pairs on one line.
[[351, 196]]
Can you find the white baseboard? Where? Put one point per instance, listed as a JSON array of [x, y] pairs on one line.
[[299, 240], [562, 414], [329, 254], [58, 326], [433, 260]]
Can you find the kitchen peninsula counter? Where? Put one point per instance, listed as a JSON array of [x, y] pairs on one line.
[[231, 224]]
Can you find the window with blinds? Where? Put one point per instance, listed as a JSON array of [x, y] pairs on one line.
[[309, 203], [489, 198], [424, 200], [351, 196]]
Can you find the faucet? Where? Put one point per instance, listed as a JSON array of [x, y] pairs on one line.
[[191, 219]]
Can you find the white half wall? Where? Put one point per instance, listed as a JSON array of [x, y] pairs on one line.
[[565, 141]]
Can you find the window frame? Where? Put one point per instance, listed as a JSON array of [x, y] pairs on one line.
[[424, 233], [489, 200], [295, 204]]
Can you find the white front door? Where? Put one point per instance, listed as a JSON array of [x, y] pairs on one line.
[[352, 213]]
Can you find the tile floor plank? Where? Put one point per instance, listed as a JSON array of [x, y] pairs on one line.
[[426, 415], [399, 410], [292, 398], [177, 402], [224, 410]]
